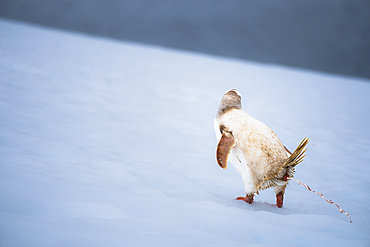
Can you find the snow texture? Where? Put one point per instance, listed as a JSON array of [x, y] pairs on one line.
[[107, 143]]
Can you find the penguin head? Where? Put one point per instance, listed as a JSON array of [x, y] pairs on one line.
[[232, 99]]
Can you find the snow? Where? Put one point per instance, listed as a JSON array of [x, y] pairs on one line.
[[107, 143]]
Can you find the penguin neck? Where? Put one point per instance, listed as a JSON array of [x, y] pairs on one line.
[[224, 109]]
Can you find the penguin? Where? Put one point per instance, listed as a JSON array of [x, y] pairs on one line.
[[254, 150]]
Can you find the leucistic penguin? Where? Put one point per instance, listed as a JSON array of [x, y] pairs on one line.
[[254, 150]]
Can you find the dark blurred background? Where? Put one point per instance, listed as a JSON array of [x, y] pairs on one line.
[[325, 35]]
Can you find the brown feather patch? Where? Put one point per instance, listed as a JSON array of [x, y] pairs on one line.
[[226, 143]]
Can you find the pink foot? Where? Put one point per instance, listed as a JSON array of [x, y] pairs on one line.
[[247, 198], [279, 199]]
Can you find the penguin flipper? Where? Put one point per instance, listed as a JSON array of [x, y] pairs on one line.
[[226, 143]]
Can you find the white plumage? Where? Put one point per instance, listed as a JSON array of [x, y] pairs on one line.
[[253, 149]]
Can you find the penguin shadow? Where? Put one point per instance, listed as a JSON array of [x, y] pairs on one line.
[[260, 206], [289, 209]]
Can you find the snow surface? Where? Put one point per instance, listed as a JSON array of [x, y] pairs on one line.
[[107, 143]]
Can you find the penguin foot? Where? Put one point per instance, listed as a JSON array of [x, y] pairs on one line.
[[246, 198], [279, 199]]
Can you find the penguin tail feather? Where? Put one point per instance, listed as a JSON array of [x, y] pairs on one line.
[[298, 154]]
